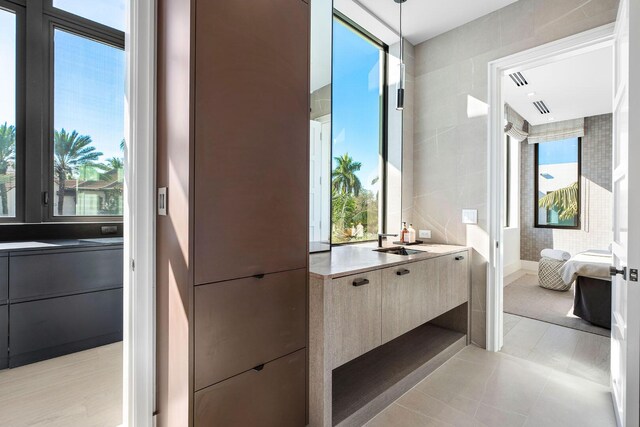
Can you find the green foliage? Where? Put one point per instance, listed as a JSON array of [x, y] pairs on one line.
[[7, 159], [71, 151], [345, 180], [563, 200], [353, 207]]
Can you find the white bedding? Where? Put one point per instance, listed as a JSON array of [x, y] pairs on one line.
[[592, 263]]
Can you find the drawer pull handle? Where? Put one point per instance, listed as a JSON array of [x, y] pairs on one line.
[[259, 367], [459, 258], [360, 282], [259, 276], [403, 272]]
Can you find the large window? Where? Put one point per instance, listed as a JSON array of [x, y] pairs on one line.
[[88, 141], [558, 184], [62, 74], [8, 63], [359, 87]]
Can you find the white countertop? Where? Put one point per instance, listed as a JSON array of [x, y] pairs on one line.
[[358, 258]]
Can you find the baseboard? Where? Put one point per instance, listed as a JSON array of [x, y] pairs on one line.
[[529, 265], [514, 276], [508, 270]]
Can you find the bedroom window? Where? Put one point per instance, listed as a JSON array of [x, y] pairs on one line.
[[557, 184]]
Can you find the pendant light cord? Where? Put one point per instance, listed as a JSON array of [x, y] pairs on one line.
[[401, 38]]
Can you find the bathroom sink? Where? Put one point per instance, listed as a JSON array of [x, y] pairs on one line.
[[398, 250]]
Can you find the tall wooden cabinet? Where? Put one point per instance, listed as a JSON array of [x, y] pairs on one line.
[[232, 251]]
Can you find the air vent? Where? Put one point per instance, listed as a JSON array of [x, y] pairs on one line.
[[518, 79], [541, 107]]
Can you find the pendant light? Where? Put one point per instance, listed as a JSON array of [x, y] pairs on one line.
[[401, 78]]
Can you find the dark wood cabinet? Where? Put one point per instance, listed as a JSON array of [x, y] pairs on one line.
[[240, 324], [4, 337], [59, 297], [49, 273], [251, 138], [233, 153], [4, 278], [52, 327], [273, 396]]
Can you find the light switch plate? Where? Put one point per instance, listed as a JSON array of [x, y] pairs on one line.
[[424, 234], [469, 216], [162, 201]]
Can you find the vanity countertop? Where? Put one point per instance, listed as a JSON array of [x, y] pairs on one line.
[[357, 258], [38, 245]]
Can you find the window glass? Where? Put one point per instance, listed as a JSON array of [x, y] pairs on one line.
[[88, 140], [357, 135], [558, 195], [111, 13], [7, 114]]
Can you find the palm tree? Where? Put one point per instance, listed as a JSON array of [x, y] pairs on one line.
[[344, 176], [114, 163], [71, 151], [564, 200], [7, 157]]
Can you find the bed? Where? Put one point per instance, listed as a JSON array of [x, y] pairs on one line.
[[592, 291]]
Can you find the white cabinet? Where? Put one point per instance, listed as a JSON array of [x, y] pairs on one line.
[[453, 281], [415, 293], [354, 317], [407, 297]]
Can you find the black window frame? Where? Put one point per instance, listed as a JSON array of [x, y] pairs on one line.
[[536, 171], [34, 114], [384, 140]]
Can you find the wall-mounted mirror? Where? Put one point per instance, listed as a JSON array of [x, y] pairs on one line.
[[320, 126]]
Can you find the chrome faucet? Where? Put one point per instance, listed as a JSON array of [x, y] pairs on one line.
[[381, 235]]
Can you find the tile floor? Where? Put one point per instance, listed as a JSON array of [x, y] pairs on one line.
[[546, 376]]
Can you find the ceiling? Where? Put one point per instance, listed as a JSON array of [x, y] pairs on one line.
[[579, 86], [422, 19]]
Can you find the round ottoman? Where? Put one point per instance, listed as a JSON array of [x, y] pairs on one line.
[[549, 275]]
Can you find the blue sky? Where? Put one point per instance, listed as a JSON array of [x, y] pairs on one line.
[[89, 79], [356, 100], [553, 153], [89, 90]]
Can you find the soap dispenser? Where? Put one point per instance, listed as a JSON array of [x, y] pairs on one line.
[[404, 234], [412, 234]]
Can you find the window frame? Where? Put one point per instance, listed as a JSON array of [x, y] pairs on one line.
[[37, 22], [53, 23], [536, 172], [383, 147], [19, 10]]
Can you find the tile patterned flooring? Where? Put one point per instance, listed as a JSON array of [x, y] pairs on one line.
[[546, 375]]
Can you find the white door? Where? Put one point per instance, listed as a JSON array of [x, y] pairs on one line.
[[315, 179], [625, 322]]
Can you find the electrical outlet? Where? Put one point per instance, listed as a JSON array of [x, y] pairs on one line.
[[424, 234], [469, 216]]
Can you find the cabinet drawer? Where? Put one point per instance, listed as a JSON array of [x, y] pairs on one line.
[[355, 324], [4, 279], [4, 337], [49, 328], [408, 296], [453, 279], [243, 323], [59, 273], [274, 396]]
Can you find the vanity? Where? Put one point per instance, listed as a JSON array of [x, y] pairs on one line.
[[379, 323]]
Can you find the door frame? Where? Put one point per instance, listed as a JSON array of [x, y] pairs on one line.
[[596, 38], [139, 216]]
